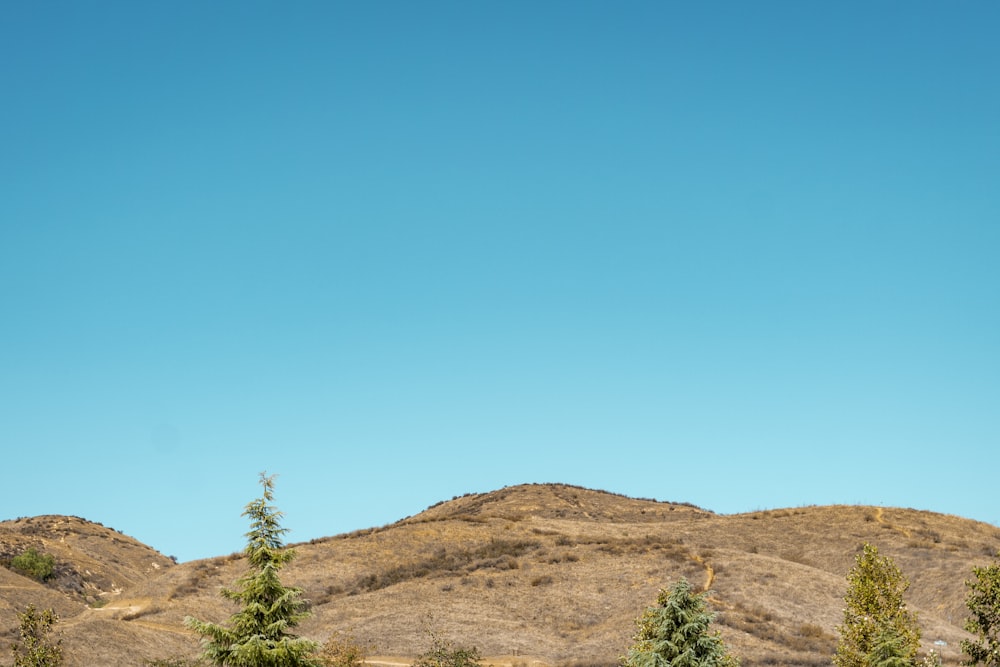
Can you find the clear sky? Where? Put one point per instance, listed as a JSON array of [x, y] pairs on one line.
[[740, 254]]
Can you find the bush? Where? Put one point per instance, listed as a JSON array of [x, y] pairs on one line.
[[342, 651], [445, 654], [31, 563]]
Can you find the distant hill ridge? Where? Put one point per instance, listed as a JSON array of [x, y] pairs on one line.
[[547, 573], [551, 501]]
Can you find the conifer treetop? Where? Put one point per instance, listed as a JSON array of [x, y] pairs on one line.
[[265, 537], [259, 634], [676, 633]]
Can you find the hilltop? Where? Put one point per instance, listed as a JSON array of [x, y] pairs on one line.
[[543, 573]]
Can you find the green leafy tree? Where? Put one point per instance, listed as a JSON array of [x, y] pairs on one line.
[[258, 635], [444, 653], [983, 601], [35, 648], [32, 563], [877, 625], [675, 633]]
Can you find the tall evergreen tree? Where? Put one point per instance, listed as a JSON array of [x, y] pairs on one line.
[[983, 602], [258, 634], [675, 633], [875, 617]]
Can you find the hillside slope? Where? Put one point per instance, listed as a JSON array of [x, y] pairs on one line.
[[92, 561], [558, 574]]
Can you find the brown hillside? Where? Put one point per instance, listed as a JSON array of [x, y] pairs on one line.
[[93, 564], [557, 574]]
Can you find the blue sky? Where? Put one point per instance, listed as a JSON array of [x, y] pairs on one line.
[[742, 255]]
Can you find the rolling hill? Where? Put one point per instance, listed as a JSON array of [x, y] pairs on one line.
[[533, 574]]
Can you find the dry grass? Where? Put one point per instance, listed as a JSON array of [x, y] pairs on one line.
[[556, 575]]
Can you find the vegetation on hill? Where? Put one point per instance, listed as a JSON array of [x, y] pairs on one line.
[[444, 653], [342, 650], [878, 628], [546, 575], [78, 562], [259, 634], [32, 563], [35, 646], [675, 633], [983, 601]]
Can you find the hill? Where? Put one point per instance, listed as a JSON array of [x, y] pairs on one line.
[[92, 562], [546, 573]]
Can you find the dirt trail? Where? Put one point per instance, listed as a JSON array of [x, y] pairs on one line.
[[128, 606], [153, 625], [709, 572], [880, 519], [114, 610], [494, 661], [125, 611]]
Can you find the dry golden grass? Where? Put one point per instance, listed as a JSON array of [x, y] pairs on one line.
[[556, 575]]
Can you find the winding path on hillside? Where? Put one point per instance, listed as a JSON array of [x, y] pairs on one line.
[[494, 661], [709, 572], [153, 625], [880, 519]]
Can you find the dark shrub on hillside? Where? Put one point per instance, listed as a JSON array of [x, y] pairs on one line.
[[31, 563]]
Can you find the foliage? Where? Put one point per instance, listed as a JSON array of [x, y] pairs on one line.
[[445, 654], [35, 648], [889, 650], [497, 554], [932, 659], [675, 633], [173, 662], [877, 626], [258, 635], [32, 563], [342, 651], [983, 601]]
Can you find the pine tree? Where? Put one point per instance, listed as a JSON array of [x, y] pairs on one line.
[[258, 634], [35, 649], [983, 601], [876, 614], [675, 633]]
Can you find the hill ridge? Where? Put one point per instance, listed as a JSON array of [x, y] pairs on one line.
[[554, 571]]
